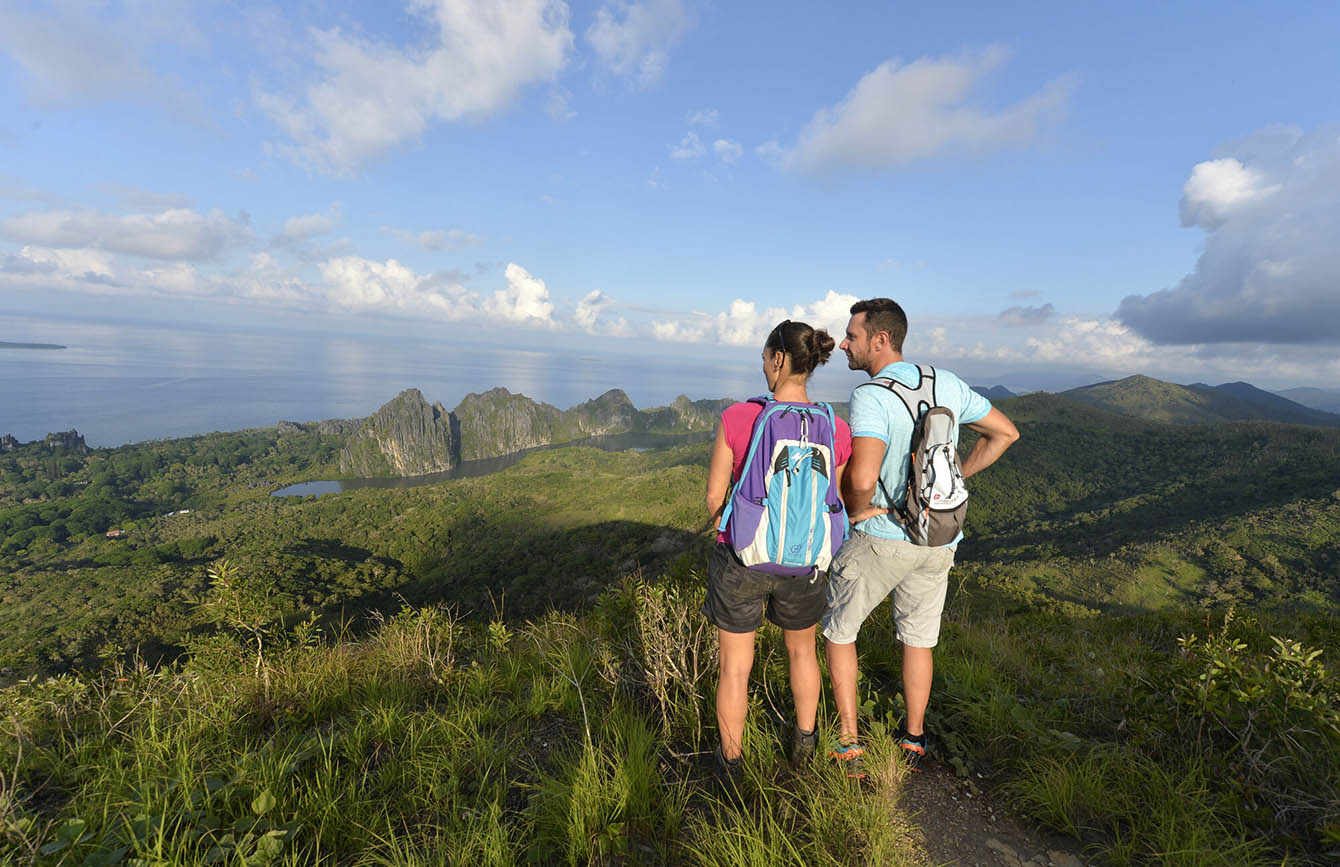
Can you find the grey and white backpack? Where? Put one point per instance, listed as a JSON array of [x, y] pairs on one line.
[[937, 498]]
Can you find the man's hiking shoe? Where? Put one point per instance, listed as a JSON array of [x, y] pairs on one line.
[[914, 752], [848, 756], [802, 746], [729, 774]]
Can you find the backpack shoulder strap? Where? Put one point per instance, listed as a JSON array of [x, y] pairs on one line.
[[769, 406], [916, 400], [828, 410]]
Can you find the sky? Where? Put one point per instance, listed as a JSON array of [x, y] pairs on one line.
[[1057, 193]]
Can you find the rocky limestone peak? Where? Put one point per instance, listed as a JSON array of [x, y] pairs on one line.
[[695, 415], [611, 413], [69, 440], [406, 437], [499, 422]]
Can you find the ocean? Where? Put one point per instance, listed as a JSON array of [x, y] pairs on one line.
[[123, 382]]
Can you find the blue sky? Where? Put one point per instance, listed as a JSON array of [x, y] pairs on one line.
[[1056, 192]]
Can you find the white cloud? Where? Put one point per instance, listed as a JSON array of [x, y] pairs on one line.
[[95, 272], [898, 113], [435, 240], [354, 283], [374, 96], [588, 316], [690, 147], [1271, 266], [526, 298], [707, 117], [742, 324], [1024, 316], [1093, 343], [70, 262], [680, 332], [347, 284], [70, 57], [633, 40], [178, 233], [72, 52], [727, 151], [264, 279], [1217, 188], [307, 226], [772, 153]]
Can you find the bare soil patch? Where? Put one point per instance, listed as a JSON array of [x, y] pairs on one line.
[[963, 825]]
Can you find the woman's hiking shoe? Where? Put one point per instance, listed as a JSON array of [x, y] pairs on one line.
[[729, 774], [802, 746], [914, 751], [848, 756]]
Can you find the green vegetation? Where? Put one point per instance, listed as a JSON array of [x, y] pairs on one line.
[[1139, 648], [1155, 400], [430, 741]]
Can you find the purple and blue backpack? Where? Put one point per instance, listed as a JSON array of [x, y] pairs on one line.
[[784, 514]]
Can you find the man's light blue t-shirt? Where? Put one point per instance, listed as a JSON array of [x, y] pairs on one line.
[[879, 413]]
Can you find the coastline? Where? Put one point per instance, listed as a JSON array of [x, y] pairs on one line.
[[5, 344]]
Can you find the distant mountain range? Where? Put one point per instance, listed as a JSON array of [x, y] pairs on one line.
[[1325, 399], [1198, 403], [993, 392]]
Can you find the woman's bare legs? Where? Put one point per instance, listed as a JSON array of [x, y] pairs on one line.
[[737, 660], [805, 679]]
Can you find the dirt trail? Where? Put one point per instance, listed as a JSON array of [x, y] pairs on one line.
[[962, 826]]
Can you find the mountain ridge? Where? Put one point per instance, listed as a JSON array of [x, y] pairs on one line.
[[408, 436], [1153, 399]]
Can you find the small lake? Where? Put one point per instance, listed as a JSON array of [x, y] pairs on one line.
[[473, 469]]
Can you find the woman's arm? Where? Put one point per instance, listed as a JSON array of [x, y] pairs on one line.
[[718, 475]]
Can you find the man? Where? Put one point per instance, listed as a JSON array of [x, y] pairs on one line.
[[878, 560]]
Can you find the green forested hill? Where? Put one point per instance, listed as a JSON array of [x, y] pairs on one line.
[[1155, 400], [1103, 509]]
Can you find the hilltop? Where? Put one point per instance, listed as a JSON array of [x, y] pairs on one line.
[[1148, 398]]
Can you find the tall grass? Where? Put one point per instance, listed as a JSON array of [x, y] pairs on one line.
[[1170, 739], [424, 740], [1176, 738]]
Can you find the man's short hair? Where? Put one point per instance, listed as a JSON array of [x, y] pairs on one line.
[[883, 314]]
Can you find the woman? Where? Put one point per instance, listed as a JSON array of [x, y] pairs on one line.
[[736, 594]]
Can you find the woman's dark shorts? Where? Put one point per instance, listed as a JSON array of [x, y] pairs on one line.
[[736, 595]]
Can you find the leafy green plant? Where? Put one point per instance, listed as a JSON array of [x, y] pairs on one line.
[[1269, 721], [244, 603]]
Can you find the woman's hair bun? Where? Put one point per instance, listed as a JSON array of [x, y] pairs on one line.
[[821, 346], [807, 347]]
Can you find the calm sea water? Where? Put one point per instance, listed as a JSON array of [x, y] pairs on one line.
[[125, 382]]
